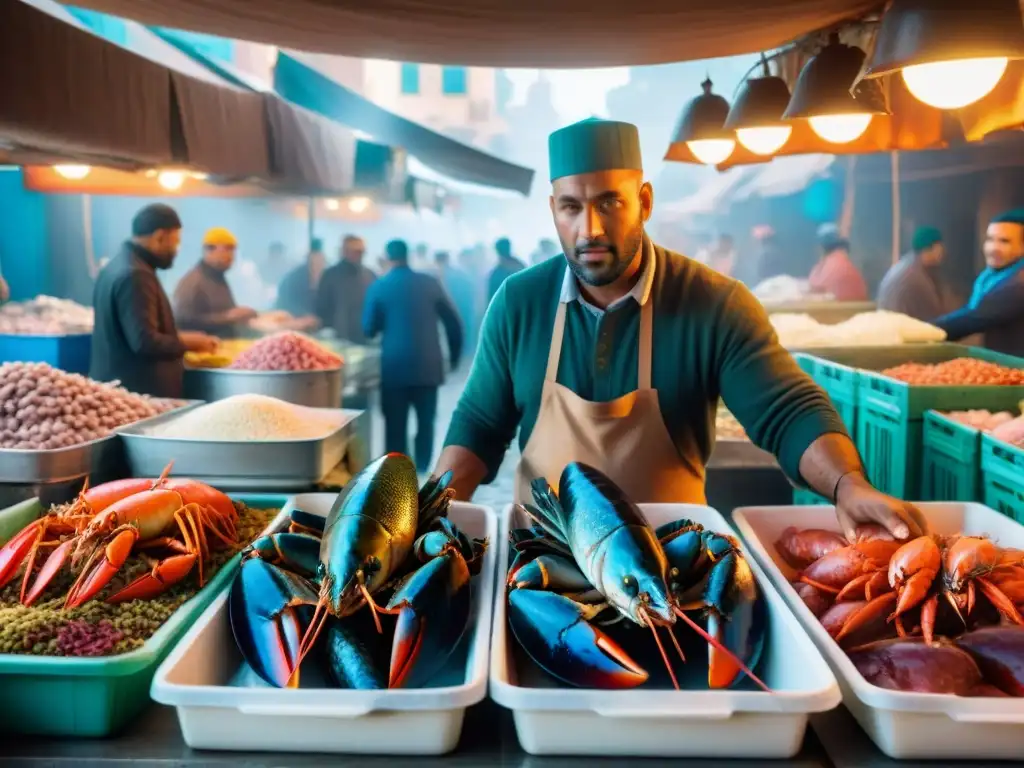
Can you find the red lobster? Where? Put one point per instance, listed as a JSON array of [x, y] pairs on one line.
[[108, 522]]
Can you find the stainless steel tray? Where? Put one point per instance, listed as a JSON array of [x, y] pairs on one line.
[[26, 467], [315, 389], [254, 465]]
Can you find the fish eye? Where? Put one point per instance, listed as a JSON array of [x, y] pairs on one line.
[[630, 586], [673, 573]]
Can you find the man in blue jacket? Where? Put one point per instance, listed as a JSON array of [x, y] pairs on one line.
[[996, 306], [405, 307]]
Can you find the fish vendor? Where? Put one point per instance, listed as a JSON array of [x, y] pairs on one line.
[[617, 356], [135, 340], [203, 300], [996, 305]]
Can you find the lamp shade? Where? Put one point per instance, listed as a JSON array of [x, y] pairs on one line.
[[703, 118], [761, 103], [826, 85], [914, 32]]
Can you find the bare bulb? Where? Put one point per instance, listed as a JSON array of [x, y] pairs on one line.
[[840, 129], [712, 151], [72, 172], [766, 140], [358, 204], [954, 84], [331, 204], [171, 180]]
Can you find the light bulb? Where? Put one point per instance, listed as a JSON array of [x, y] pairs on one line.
[[766, 140], [358, 204], [331, 204], [73, 172], [712, 151], [840, 129], [171, 180], [199, 176], [954, 84]]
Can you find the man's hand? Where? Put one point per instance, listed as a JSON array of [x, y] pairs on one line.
[[241, 314], [195, 341], [858, 502]]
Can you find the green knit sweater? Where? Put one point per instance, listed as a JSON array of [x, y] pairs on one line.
[[712, 339]]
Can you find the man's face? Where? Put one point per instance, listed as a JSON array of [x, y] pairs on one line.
[[933, 256], [164, 245], [600, 221], [1004, 244], [353, 251], [220, 257]]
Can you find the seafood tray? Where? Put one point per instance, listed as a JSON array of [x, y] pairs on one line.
[[903, 725], [553, 720], [96, 697], [96, 457], [265, 465], [315, 389], [222, 704]]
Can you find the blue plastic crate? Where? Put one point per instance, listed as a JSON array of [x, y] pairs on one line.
[[70, 353]]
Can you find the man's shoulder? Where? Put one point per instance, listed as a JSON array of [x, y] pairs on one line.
[[527, 281], [688, 280]]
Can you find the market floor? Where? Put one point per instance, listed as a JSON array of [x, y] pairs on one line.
[[496, 495]]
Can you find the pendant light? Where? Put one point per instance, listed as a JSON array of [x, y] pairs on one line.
[[756, 115], [824, 94], [950, 54], [72, 172], [702, 127], [171, 180]]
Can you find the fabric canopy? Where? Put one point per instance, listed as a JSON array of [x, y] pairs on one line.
[[301, 83], [503, 33]]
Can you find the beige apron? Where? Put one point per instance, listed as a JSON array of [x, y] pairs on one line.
[[625, 438]]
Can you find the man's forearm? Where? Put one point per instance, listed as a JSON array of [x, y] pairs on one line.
[[468, 470], [828, 460]]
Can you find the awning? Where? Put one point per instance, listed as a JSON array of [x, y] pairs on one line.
[[503, 33], [302, 84], [709, 196], [785, 176]]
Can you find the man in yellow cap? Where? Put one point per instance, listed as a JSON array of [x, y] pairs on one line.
[[203, 300]]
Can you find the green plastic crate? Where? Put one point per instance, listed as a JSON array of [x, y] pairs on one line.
[[950, 460], [803, 497], [95, 697], [1002, 474], [890, 417], [806, 362]]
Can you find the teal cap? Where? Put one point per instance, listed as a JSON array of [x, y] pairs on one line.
[[594, 145], [925, 238]]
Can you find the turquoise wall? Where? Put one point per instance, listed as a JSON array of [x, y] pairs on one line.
[[24, 249]]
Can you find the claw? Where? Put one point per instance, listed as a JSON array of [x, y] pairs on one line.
[[433, 612], [50, 569], [14, 552], [165, 574], [737, 619], [266, 609], [95, 577], [554, 631], [298, 552], [306, 522], [555, 572], [865, 614]]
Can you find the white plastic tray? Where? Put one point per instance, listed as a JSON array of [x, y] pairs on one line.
[[903, 725], [554, 720], [223, 705]]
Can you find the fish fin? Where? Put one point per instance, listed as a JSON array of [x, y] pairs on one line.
[[548, 512]]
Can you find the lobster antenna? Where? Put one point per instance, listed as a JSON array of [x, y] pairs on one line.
[[718, 646], [661, 648]]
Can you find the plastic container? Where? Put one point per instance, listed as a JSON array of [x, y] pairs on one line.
[[902, 725], [1002, 472], [69, 352], [222, 705], [803, 496], [950, 460], [667, 723], [55, 696]]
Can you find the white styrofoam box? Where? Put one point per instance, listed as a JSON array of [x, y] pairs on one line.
[[222, 704], [903, 725], [553, 720]]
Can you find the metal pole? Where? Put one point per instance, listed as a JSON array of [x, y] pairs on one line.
[[896, 214], [311, 220]]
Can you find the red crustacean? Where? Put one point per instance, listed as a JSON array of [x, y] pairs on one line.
[[912, 572], [183, 519], [856, 563], [801, 548], [815, 600], [970, 560], [863, 620]]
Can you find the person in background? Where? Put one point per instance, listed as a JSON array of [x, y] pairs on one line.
[[203, 300], [996, 306], [342, 292], [405, 306], [460, 287], [546, 249], [507, 265], [768, 260], [835, 273], [297, 293], [135, 340], [913, 285], [421, 258]]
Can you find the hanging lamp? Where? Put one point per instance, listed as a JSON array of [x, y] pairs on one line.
[[702, 127], [950, 54], [825, 94], [756, 115]]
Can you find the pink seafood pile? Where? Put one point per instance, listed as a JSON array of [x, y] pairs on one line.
[[286, 351], [1002, 425], [964, 371], [937, 614], [43, 408]]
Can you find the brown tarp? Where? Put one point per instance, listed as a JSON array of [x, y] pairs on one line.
[[503, 33], [70, 95]]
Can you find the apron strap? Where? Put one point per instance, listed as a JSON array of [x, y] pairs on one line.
[[555, 353], [643, 375]]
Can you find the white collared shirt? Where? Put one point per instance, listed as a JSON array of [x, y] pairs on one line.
[[640, 292]]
